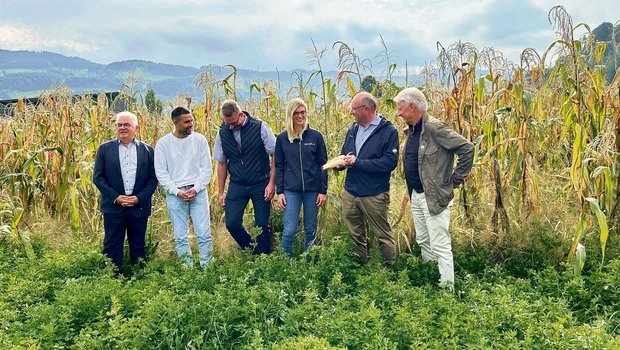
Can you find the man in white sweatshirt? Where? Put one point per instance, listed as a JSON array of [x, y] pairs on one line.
[[183, 168]]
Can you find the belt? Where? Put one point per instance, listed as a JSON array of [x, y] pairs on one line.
[[186, 187], [418, 190]]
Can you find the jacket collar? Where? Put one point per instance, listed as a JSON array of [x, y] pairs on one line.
[[135, 141], [382, 122]]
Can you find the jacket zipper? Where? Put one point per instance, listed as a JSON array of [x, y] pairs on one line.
[[239, 146], [301, 165], [240, 153]]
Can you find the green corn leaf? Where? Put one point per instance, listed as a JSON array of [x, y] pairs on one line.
[[602, 223], [599, 51], [579, 230], [351, 87]]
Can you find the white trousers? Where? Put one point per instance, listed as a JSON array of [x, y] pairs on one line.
[[432, 236]]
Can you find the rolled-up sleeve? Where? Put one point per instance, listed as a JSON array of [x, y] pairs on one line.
[[269, 139], [218, 152]]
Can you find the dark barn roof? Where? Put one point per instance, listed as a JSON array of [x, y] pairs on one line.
[[115, 103]]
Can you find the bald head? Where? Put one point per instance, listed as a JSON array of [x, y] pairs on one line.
[[367, 99], [364, 108]]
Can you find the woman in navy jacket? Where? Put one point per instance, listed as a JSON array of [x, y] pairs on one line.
[[300, 153]]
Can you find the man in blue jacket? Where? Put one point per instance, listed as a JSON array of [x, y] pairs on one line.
[[125, 175], [371, 149]]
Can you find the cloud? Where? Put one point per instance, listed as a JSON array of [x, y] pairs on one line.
[[592, 12], [274, 34], [21, 38]]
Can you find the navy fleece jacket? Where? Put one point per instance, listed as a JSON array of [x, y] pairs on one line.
[[370, 175]]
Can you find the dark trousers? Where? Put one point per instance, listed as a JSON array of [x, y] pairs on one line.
[[115, 226], [237, 199]]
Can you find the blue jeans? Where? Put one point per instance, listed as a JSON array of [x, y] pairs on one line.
[[294, 202], [180, 212]]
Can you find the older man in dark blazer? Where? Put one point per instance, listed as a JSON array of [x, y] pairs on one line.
[[125, 175]]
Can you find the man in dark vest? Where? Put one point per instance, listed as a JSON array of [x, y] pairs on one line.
[[242, 149]]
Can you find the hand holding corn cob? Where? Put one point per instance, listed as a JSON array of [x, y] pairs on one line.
[[336, 162]]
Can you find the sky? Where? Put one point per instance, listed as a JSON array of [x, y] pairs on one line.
[[279, 34]]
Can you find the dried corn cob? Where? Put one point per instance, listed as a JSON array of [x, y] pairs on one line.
[[336, 162]]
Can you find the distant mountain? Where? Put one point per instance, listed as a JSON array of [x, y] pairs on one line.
[[42, 60], [28, 73], [610, 34], [150, 67]]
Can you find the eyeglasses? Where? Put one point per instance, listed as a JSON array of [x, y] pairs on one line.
[[300, 113], [233, 123], [354, 108], [123, 125]]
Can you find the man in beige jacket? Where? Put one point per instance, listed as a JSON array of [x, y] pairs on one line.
[[431, 176]]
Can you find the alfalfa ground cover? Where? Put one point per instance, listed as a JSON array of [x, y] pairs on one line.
[[68, 298]]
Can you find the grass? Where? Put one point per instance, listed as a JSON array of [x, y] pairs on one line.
[[69, 298]]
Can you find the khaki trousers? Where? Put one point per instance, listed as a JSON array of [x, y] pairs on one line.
[[362, 213]]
